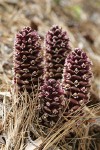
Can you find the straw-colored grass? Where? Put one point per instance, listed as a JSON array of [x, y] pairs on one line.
[[21, 119]]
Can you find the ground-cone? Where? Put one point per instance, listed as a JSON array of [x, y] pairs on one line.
[[57, 48], [52, 102], [77, 78], [27, 60]]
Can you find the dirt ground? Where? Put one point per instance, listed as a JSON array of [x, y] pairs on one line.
[[80, 18]]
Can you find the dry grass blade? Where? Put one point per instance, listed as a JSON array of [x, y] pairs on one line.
[[20, 123]]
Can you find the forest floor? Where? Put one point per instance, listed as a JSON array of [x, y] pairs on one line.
[[80, 18]]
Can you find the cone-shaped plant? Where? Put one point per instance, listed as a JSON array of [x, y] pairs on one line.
[[51, 101], [76, 78], [57, 48], [27, 60]]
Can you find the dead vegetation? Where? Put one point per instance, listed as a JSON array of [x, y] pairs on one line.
[[81, 20]]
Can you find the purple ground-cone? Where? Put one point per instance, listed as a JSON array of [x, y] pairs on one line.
[[57, 48], [52, 101], [27, 60], [77, 78]]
